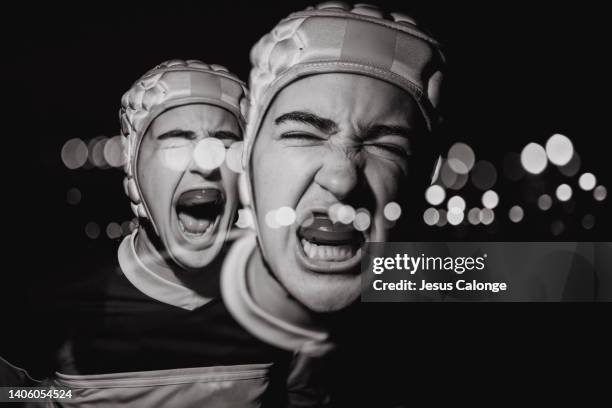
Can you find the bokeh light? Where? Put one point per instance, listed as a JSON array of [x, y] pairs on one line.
[[74, 153], [271, 220], [461, 158], [447, 175], [113, 230], [92, 230], [96, 151], [484, 175], [346, 214], [490, 199], [243, 190], [126, 227], [308, 221], [113, 151], [392, 211], [516, 214], [233, 157], [133, 224], [544, 202], [431, 216], [557, 227], [459, 182], [435, 195], [333, 212], [456, 202], [600, 193], [73, 196], [209, 153], [487, 216], [587, 181], [559, 150], [572, 168], [588, 221], [455, 216], [474, 216], [533, 158], [245, 218], [563, 192], [362, 220], [285, 216]]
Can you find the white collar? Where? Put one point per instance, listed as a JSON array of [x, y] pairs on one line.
[[152, 284], [256, 320]]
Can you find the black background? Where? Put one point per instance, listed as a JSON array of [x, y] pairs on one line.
[[518, 72]]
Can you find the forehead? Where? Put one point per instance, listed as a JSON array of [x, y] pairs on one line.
[[194, 117], [342, 96]]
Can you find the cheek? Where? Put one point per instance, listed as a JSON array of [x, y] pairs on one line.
[[385, 179], [264, 179], [280, 175], [156, 180]]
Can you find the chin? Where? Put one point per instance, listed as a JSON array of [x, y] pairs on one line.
[[327, 294], [194, 260], [194, 257]]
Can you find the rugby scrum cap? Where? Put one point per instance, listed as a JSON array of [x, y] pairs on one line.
[[335, 37], [170, 84]]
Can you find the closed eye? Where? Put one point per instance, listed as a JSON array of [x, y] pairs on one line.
[[301, 136], [390, 148], [227, 137], [177, 134]]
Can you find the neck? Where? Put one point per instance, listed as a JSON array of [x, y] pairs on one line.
[[205, 282], [271, 296]]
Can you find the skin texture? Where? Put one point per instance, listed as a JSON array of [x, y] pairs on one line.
[[328, 139], [166, 169]]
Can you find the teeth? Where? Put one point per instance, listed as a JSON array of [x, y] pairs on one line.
[[314, 251], [306, 245], [327, 252]]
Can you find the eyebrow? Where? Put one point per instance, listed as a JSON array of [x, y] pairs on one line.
[[323, 124], [225, 134], [385, 130]]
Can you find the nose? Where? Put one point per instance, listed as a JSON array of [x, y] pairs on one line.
[[339, 174], [207, 173]]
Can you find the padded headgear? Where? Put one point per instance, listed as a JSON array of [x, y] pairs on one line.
[[334, 37]]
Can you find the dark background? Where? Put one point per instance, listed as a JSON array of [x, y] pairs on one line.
[[518, 72]]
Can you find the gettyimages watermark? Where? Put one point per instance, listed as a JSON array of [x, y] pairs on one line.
[[487, 271]]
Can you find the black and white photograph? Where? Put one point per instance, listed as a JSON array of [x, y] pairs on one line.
[[299, 204]]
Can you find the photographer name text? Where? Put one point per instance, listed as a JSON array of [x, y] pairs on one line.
[[412, 264]]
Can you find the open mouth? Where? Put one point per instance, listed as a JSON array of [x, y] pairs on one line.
[[325, 241], [198, 211]]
